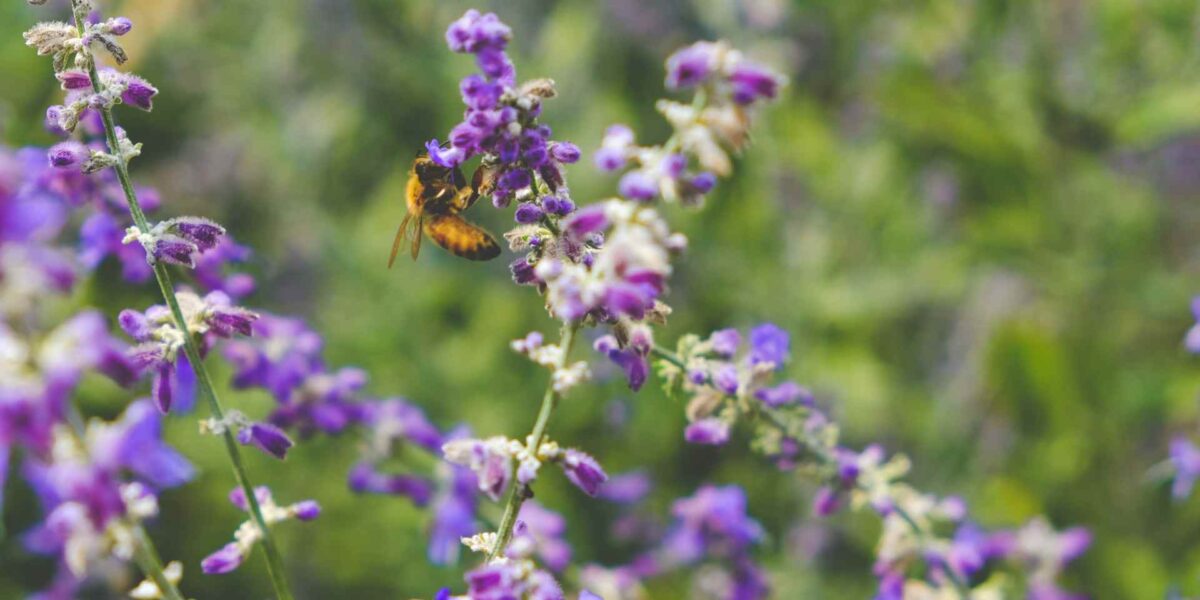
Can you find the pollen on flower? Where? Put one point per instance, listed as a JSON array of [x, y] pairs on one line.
[[481, 542]]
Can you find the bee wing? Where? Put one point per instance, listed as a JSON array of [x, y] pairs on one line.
[[400, 234], [461, 238], [416, 237]]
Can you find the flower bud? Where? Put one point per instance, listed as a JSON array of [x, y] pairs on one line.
[[67, 154]]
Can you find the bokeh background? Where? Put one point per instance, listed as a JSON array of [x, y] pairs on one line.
[[977, 218]]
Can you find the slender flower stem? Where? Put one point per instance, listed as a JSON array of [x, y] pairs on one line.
[[148, 561], [274, 560], [521, 492]]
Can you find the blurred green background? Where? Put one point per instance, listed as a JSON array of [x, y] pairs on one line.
[[977, 218]]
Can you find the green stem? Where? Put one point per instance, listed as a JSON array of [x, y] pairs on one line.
[[521, 492], [274, 560], [148, 561]]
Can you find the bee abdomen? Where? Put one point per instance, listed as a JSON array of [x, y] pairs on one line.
[[461, 238]]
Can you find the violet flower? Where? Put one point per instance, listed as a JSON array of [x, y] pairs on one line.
[[230, 556]]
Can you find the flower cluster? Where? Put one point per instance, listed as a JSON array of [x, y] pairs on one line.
[[96, 484], [88, 170], [538, 534], [230, 556], [727, 88], [728, 380], [725, 377], [160, 341], [710, 530], [501, 121], [611, 261], [179, 241], [604, 264], [283, 357], [96, 487], [496, 460]]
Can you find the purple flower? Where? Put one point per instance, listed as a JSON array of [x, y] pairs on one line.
[[725, 342], [558, 206], [67, 154], [225, 560], [690, 66], [281, 354], [769, 344], [453, 513], [210, 267], [474, 32], [1192, 340], [752, 83], [827, 501], [100, 236], [726, 379], [523, 272], [478, 94], [540, 531], [81, 344], [583, 471], [784, 394], [160, 352], [1185, 457], [586, 220], [137, 445], [174, 250], [528, 212], [364, 479], [322, 402], [119, 26], [510, 581], [633, 361], [714, 523], [237, 497], [74, 79], [265, 437], [626, 488], [637, 185], [447, 158], [204, 233], [488, 459], [703, 183], [138, 92], [395, 420], [709, 431], [232, 555], [565, 152], [307, 510]]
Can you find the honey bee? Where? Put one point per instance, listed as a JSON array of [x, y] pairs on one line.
[[436, 195]]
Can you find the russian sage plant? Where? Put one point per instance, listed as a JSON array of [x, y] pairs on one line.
[[602, 270]]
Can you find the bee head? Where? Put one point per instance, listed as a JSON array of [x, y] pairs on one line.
[[428, 171]]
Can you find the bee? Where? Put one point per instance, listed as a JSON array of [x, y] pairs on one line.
[[435, 196]]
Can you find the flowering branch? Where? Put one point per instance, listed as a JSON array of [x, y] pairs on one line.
[[189, 238], [521, 493], [725, 385]]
